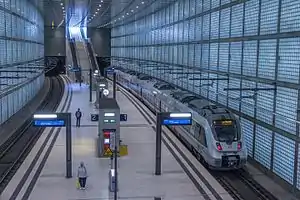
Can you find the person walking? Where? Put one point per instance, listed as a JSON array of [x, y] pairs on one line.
[[82, 175], [78, 115]]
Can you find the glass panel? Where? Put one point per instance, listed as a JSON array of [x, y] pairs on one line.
[[263, 143], [214, 26], [223, 57], [237, 21], [269, 16], [234, 95], [235, 57], [286, 102], [247, 130], [247, 104], [284, 158], [267, 59], [251, 17], [224, 24], [289, 60], [213, 63], [290, 16]]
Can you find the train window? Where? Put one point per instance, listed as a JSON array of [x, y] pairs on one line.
[[196, 129], [202, 137], [225, 130]]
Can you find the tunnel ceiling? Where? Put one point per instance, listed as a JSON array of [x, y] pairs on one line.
[[96, 13]]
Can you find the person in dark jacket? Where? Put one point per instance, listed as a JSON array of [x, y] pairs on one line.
[[82, 175], [78, 115]]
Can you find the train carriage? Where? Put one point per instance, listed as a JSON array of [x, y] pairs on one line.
[[215, 135]]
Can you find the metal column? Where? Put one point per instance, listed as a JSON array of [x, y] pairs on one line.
[[114, 85], [116, 168], [158, 145], [68, 145], [91, 84], [100, 93]]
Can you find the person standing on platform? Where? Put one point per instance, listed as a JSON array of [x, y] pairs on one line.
[[78, 115], [82, 175]]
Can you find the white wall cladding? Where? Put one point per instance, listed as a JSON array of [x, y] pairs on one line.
[[21, 55], [256, 49]]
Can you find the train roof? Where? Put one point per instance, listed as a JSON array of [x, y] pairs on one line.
[[199, 103], [210, 110], [184, 95], [177, 94], [143, 76], [160, 83]]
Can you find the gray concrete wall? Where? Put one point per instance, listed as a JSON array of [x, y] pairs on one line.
[[55, 44], [100, 38]]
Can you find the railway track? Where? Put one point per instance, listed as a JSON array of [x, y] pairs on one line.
[[239, 184], [14, 151], [242, 186]]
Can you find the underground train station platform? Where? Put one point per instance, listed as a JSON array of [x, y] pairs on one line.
[[43, 173]]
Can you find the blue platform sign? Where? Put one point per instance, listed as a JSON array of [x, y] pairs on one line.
[[177, 122], [123, 117], [49, 122], [176, 119]]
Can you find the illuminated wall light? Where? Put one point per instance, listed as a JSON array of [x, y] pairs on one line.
[[180, 115], [101, 1], [44, 116], [142, 2], [98, 9], [132, 10], [123, 16], [96, 12], [137, 6], [99, 5], [61, 4], [63, 8], [127, 13]]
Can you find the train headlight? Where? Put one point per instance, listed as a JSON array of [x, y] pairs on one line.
[[239, 145], [219, 147]]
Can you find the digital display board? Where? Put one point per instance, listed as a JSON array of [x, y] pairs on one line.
[[223, 122], [177, 122], [49, 122]]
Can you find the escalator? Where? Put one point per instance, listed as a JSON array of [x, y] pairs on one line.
[[91, 56], [76, 67], [90, 51]]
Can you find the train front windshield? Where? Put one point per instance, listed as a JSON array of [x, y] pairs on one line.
[[226, 131]]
